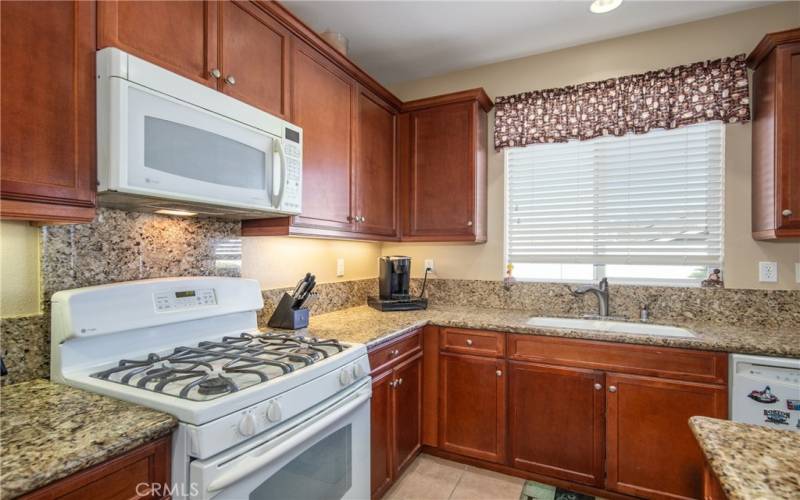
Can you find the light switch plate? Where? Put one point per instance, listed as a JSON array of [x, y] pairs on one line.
[[768, 272], [340, 267]]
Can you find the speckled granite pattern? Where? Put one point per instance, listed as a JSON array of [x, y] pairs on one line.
[[25, 347], [761, 308], [49, 431], [750, 461], [116, 246], [366, 325], [123, 246], [332, 297]]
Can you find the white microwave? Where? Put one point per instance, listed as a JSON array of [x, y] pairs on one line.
[[167, 143]]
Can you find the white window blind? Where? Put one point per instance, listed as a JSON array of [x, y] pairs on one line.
[[653, 198]]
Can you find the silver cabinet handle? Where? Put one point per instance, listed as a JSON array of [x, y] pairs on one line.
[[787, 213], [469, 341], [499, 373], [597, 387], [612, 388], [400, 381], [216, 73], [469, 223], [393, 384], [230, 79]]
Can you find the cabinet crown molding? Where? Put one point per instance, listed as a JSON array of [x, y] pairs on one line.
[[476, 94], [769, 42]]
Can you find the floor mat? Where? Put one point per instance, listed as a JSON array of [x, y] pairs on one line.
[[538, 491]]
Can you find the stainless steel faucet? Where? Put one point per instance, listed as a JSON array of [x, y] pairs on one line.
[[601, 291]]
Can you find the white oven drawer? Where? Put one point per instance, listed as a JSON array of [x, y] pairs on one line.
[[325, 456]]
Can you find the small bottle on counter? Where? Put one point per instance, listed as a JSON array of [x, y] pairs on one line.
[[644, 313]]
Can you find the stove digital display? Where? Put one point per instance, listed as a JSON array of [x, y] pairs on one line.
[[187, 293]]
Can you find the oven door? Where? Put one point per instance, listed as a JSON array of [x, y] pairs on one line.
[[325, 456], [181, 151]]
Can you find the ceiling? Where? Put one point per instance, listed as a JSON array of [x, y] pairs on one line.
[[396, 41]]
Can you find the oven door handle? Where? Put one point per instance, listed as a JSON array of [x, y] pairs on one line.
[[254, 463]]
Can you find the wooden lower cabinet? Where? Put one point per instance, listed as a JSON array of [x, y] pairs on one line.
[[651, 452], [396, 426], [472, 406], [124, 477], [556, 421], [712, 489]]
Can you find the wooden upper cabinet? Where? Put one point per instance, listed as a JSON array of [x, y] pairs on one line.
[[651, 451], [374, 185], [179, 36], [442, 141], [254, 58], [323, 105], [776, 136], [472, 406], [48, 155], [550, 406]]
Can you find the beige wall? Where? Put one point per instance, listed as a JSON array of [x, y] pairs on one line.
[[280, 261], [687, 43], [19, 269]]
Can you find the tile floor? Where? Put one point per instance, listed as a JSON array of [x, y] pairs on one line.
[[433, 478]]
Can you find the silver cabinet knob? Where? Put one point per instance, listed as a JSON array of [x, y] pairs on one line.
[[215, 73], [400, 381], [393, 384], [612, 388], [230, 80], [787, 213], [469, 341], [393, 353], [499, 373], [469, 223], [597, 387], [363, 219]]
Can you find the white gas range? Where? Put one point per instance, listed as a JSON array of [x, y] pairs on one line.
[[262, 415]]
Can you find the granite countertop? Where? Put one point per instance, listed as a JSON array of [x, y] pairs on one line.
[[49, 431], [369, 326], [750, 461]]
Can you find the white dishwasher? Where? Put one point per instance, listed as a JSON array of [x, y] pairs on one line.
[[765, 391]]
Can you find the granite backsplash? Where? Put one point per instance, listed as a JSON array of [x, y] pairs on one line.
[[749, 308], [122, 246]]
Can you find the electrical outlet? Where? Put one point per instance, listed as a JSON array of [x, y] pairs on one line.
[[768, 272], [340, 267], [429, 264]]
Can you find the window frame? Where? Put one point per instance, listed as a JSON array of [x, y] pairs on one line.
[[598, 271]]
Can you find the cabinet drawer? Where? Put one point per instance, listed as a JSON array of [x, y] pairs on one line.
[[387, 355], [475, 342], [665, 362]]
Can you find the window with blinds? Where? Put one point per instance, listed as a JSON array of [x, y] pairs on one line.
[[653, 199]]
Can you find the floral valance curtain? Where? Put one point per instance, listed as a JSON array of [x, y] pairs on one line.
[[667, 98]]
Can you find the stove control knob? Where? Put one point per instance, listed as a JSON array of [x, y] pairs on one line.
[[274, 411], [344, 377], [358, 372], [247, 425]]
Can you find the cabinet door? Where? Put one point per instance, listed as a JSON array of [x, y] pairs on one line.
[[254, 52], [441, 178], [322, 103], [48, 110], [556, 421], [788, 136], [407, 412], [650, 449], [179, 36], [381, 433], [375, 172], [472, 406]]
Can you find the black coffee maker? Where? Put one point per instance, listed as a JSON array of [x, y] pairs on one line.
[[393, 282]]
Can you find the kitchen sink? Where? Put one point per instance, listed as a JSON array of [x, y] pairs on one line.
[[608, 326]]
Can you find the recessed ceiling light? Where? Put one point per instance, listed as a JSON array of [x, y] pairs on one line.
[[603, 6], [184, 213]]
